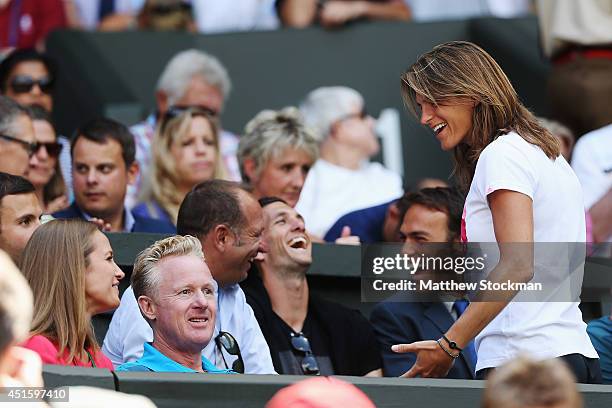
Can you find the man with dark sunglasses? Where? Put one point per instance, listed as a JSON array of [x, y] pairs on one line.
[[28, 77], [307, 335], [16, 138]]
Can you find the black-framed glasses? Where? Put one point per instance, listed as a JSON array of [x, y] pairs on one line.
[[53, 148], [175, 111], [229, 343], [309, 363], [25, 83], [30, 147]]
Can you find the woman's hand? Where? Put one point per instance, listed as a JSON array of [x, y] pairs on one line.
[[431, 360]]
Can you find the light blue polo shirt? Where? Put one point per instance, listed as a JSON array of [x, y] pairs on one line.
[[153, 360]]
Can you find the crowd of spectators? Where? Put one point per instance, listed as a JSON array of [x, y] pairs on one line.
[[227, 292]]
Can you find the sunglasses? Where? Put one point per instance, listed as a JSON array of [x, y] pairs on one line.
[[25, 84], [53, 148], [229, 343], [309, 364], [177, 110], [30, 147]]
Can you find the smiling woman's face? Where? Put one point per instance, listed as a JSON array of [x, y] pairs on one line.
[[451, 120], [102, 277]]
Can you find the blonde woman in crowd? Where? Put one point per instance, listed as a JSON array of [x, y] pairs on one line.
[[70, 268], [45, 174], [185, 153]]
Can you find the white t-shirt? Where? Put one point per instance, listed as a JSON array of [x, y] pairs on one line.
[[331, 191], [540, 329], [592, 162]]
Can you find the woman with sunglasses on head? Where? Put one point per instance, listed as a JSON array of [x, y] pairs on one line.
[[45, 174], [70, 268], [521, 193], [185, 153]]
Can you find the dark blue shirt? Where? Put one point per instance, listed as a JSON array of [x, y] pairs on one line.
[[367, 224]]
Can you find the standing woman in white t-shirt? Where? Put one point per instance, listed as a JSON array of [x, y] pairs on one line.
[[520, 190]]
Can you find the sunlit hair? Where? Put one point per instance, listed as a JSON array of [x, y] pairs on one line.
[[146, 277], [54, 262], [270, 133], [163, 179], [460, 71], [525, 383], [15, 304]]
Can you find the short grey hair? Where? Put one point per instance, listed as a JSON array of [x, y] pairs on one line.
[[9, 112], [16, 304], [269, 133], [324, 106], [175, 78], [146, 277]]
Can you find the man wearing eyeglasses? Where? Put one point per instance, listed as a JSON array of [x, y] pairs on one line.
[[307, 335], [16, 138]]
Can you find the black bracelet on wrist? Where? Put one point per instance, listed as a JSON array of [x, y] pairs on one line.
[[452, 344], [453, 356]]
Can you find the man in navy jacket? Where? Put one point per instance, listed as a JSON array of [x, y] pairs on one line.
[[431, 215], [103, 164]]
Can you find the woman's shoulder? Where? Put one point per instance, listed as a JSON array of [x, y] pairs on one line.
[[45, 348], [39, 342], [507, 144]]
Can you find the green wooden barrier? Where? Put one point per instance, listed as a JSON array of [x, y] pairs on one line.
[[58, 376]]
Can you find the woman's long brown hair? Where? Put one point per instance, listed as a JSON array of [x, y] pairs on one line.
[[54, 263], [460, 70]]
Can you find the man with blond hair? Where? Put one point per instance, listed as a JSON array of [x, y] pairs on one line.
[[176, 295]]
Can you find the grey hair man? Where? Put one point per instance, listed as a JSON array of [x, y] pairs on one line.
[[276, 153], [17, 143], [228, 221], [343, 179], [192, 78]]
